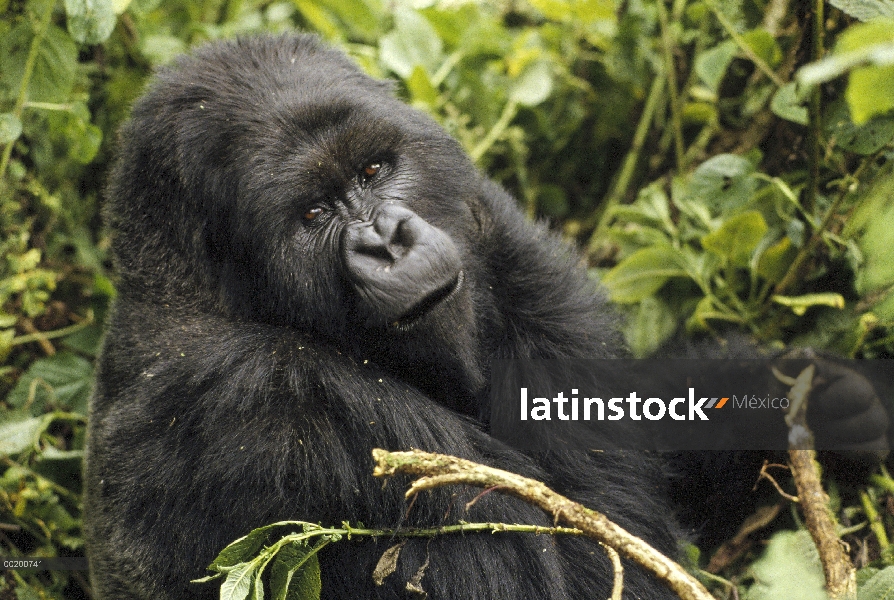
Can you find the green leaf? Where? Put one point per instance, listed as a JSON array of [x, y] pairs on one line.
[[870, 92], [412, 42], [863, 44], [788, 103], [864, 139], [338, 19], [711, 65], [879, 587], [10, 128], [579, 11], [653, 323], [420, 87], [789, 568], [865, 10], [884, 309], [54, 68], [764, 45], [161, 49], [295, 573], [90, 21], [534, 84], [86, 144], [243, 549], [775, 260], [61, 380], [870, 227], [699, 113], [723, 182], [237, 585], [19, 431], [867, 50], [642, 273], [319, 19], [800, 304], [737, 238]]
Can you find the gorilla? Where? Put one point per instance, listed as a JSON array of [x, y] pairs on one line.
[[310, 269]]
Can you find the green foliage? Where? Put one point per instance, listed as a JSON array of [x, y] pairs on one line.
[[735, 241], [716, 186], [294, 572], [879, 587], [790, 568]]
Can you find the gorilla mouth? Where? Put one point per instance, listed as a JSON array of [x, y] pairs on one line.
[[424, 306]]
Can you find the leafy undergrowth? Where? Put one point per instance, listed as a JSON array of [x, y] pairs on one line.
[[722, 168]]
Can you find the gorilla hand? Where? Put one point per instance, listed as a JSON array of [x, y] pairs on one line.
[[846, 413]]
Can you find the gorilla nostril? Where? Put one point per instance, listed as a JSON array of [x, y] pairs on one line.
[[404, 234], [366, 239]]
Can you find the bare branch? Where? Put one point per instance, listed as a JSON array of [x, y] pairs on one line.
[[435, 470]]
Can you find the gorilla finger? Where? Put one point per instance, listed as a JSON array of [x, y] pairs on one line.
[[869, 451], [865, 426], [847, 394]]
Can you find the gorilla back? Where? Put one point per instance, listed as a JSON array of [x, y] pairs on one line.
[[310, 269]]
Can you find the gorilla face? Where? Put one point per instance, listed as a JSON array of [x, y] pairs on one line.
[[320, 196]]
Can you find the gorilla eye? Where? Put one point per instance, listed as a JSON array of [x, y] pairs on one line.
[[311, 214], [370, 171]]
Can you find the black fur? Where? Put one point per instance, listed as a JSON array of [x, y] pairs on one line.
[[262, 342], [242, 383]]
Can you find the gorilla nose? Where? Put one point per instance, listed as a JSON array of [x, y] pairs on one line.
[[391, 233], [400, 265]]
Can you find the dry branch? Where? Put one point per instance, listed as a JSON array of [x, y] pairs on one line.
[[839, 572], [436, 470]]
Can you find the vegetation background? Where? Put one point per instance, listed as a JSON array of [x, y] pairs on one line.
[[723, 165]]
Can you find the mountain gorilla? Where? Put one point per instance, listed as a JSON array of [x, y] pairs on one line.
[[310, 269]]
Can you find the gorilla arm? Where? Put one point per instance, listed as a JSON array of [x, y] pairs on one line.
[[219, 427]]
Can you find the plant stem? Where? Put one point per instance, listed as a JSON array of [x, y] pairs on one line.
[[667, 44], [743, 45], [807, 250], [495, 132], [49, 335], [26, 79], [815, 134], [626, 174]]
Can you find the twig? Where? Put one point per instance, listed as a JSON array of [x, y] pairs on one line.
[[41, 336], [743, 45], [765, 475], [840, 574], [618, 584], [794, 270], [436, 470], [496, 131]]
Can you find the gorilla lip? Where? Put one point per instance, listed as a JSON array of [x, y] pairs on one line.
[[427, 304]]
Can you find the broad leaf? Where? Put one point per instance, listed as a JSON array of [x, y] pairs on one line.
[[295, 573], [642, 273], [90, 21], [412, 42], [737, 238], [63, 380]]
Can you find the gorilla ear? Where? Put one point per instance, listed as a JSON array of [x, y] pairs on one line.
[[483, 218], [204, 156]]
